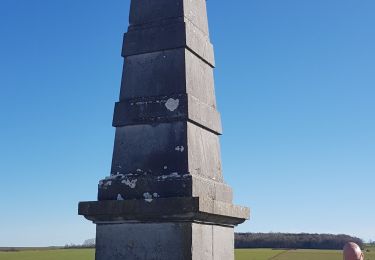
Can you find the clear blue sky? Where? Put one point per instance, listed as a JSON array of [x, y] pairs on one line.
[[295, 84]]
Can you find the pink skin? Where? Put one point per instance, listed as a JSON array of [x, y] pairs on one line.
[[352, 252]]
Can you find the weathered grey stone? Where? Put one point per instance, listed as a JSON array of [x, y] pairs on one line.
[[161, 241], [194, 209], [151, 11], [158, 149], [151, 110], [199, 79], [166, 197], [206, 188], [204, 115], [135, 186], [159, 73], [161, 109], [169, 36], [144, 241], [203, 153], [148, 11], [166, 148], [165, 73], [223, 243], [196, 12]]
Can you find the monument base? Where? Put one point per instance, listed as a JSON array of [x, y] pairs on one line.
[[183, 228], [164, 241]]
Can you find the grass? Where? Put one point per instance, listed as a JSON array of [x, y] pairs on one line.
[[62, 254], [241, 254], [265, 254], [257, 254]]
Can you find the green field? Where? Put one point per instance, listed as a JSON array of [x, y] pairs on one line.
[[241, 254], [263, 254], [73, 254]]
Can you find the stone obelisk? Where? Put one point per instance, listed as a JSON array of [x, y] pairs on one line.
[[165, 198]]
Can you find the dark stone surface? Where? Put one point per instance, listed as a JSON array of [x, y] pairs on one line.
[[162, 109], [135, 186], [148, 11], [159, 73], [167, 148], [151, 149], [165, 73], [164, 241], [151, 11], [166, 197], [166, 37], [151, 110], [200, 210]]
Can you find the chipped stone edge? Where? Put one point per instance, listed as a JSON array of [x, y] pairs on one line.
[[164, 210]]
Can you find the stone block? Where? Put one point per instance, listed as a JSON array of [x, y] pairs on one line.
[[199, 79], [158, 73], [144, 241], [149, 187], [166, 148], [207, 188], [166, 37], [194, 209], [140, 186], [169, 72], [151, 110], [204, 153], [196, 12], [203, 115], [157, 150], [223, 243], [162, 109], [150, 11], [161, 241]]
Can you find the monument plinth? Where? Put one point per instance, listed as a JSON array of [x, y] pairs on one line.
[[165, 197]]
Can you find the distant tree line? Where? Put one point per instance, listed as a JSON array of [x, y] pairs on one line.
[[8, 249], [276, 240], [89, 243], [294, 241]]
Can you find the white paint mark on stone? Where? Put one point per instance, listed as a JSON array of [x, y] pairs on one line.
[[115, 176], [148, 197], [172, 104], [165, 167], [130, 183], [119, 197], [172, 175], [180, 148], [139, 170], [156, 195], [108, 183]]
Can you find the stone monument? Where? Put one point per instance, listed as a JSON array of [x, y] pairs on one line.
[[165, 198]]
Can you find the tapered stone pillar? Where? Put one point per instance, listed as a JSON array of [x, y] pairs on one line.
[[165, 197]]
